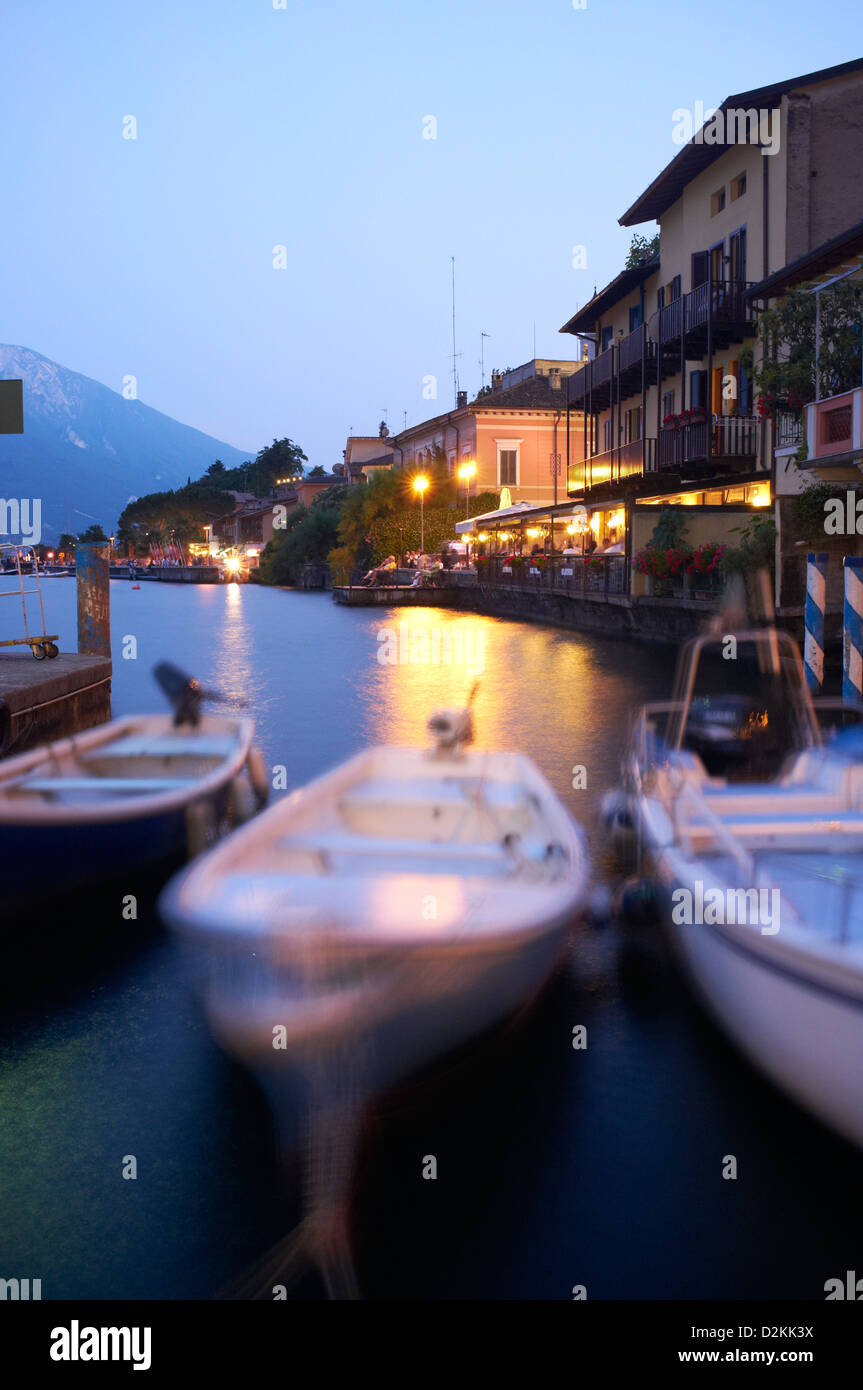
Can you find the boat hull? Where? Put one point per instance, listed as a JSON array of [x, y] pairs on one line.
[[801, 1026], [394, 1021]]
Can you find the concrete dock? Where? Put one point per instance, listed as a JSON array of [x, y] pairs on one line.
[[44, 700], [392, 596]]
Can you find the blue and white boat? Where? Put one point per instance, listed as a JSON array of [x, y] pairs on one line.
[[753, 825]]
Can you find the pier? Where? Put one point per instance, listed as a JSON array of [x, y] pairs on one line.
[[44, 700]]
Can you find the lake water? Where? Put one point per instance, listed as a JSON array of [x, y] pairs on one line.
[[555, 1167]]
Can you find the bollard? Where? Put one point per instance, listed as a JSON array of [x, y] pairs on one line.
[[852, 630], [813, 642], [94, 603]]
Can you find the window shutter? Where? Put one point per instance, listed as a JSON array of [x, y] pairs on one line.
[[700, 268]]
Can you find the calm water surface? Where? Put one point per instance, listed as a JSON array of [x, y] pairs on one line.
[[601, 1167]]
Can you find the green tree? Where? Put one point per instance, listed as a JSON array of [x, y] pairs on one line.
[[641, 249], [318, 472], [92, 535], [785, 375]]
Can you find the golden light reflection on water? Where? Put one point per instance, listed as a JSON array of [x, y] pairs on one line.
[[557, 669], [236, 666]]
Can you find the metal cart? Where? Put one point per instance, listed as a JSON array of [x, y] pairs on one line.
[[45, 644]]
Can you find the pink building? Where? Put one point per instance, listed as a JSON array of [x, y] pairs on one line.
[[515, 433]]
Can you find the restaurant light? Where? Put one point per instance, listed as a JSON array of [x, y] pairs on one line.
[[760, 497]]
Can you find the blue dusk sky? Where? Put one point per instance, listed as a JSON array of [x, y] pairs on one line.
[[302, 126]]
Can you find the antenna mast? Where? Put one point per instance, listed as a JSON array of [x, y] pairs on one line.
[[482, 338], [454, 356]]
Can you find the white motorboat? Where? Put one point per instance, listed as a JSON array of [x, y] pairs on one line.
[[762, 875], [132, 793], [382, 915]]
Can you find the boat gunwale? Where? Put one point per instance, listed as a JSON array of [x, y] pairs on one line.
[[48, 814]]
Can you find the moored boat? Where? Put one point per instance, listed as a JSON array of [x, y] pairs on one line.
[[132, 793], [386, 913], [753, 825]]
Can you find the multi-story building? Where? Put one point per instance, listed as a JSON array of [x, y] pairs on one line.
[[516, 433], [669, 395]]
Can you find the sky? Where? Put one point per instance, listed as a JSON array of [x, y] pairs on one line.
[[303, 125]]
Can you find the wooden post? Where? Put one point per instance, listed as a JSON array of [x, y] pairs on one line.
[[94, 602]]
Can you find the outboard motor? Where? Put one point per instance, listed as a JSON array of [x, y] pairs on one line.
[[185, 694]]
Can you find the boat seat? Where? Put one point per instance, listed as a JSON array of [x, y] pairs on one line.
[[137, 785], [426, 791], [330, 842], [185, 745], [782, 822]]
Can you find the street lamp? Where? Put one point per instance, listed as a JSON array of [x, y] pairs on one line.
[[466, 472], [420, 485]]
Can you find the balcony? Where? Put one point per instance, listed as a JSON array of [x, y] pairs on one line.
[[625, 461], [636, 362], [787, 429], [590, 389], [708, 442], [834, 429], [717, 312]]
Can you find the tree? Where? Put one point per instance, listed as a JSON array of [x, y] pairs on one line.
[[641, 249], [318, 472], [307, 539], [67, 543], [92, 535], [216, 469], [785, 376]]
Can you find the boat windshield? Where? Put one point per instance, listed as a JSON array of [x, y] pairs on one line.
[[741, 704]]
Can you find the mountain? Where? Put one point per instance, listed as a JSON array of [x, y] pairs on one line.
[[87, 450]]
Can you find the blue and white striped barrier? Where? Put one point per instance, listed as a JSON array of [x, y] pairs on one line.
[[852, 632], [816, 598]]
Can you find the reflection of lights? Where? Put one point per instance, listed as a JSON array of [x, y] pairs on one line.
[[572, 529], [533, 531], [760, 496], [594, 521], [616, 518], [232, 563], [482, 536]]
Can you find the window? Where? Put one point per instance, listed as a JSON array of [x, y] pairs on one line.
[[508, 462], [660, 297], [738, 187], [607, 435], [607, 335], [700, 268], [737, 253], [667, 403], [717, 202], [698, 390], [636, 316], [744, 391], [676, 287], [632, 424]]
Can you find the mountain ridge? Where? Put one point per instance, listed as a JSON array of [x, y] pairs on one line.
[[86, 450]]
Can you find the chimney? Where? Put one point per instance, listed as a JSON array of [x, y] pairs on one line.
[[554, 378], [460, 400], [495, 381]]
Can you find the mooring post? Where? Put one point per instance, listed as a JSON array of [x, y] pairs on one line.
[[94, 602], [816, 600], [852, 630]]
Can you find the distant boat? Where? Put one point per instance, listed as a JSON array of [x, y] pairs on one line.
[[384, 914], [754, 826], [138, 791]]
